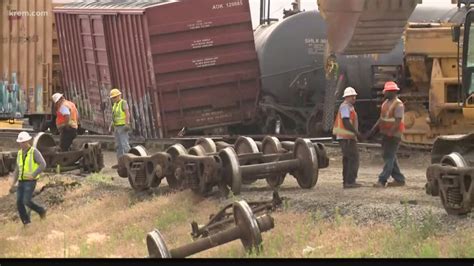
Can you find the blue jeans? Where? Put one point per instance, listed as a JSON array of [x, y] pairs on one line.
[[24, 197], [121, 140], [391, 168]]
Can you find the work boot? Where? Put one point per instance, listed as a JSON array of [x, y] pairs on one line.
[[353, 185], [396, 184], [43, 215], [380, 185], [115, 166]]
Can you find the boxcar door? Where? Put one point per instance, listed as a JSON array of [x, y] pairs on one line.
[[98, 70]]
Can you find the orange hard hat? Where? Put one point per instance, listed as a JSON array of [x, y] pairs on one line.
[[391, 86]]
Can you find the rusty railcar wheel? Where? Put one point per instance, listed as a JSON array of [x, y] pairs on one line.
[[197, 150], [207, 144], [453, 197], [156, 246], [307, 173], [175, 151], [245, 219], [272, 145], [138, 151], [231, 174], [246, 145]]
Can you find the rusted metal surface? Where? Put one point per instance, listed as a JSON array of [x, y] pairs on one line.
[[27, 74], [201, 167], [248, 228], [146, 171], [170, 65], [225, 216], [451, 175], [365, 26], [7, 163], [88, 159], [243, 164]]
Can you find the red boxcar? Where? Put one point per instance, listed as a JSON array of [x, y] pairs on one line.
[[179, 64]]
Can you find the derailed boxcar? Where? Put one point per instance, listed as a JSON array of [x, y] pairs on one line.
[[28, 55], [180, 64]]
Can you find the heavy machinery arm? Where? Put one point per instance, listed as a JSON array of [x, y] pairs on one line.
[[439, 61], [438, 93]]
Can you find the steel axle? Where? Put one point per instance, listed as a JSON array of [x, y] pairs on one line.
[[247, 228]]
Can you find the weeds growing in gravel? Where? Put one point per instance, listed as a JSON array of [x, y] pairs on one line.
[[99, 179]]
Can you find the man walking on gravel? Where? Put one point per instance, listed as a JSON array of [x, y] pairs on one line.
[[391, 126], [346, 131], [120, 123], [67, 121], [29, 165]]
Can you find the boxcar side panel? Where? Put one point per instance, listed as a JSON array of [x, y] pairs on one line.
[[26, 57], [205, 63]]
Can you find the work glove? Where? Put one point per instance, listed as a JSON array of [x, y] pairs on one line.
[[127, 128]]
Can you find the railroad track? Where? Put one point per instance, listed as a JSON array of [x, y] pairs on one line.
[[12, 133]]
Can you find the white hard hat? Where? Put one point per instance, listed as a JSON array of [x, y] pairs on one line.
[[23, 137], [349, 92], [57, 97]]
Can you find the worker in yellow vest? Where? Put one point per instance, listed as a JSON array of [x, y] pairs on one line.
[[29, 165], [346, 130], [391, 125], [120, 123]]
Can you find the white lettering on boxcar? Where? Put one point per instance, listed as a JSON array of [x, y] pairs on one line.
[[213, 116], [205, 62], [235, 3], [202, 43], [228, 5], [200, 25]]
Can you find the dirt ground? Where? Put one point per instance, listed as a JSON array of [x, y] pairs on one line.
[[367, 206]]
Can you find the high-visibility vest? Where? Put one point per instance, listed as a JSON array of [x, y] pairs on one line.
[[387, 119], [118, 114], [28, 166], [61, 120], [339, 130]]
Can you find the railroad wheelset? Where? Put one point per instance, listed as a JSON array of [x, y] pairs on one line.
[[226, 166], [248, 228]]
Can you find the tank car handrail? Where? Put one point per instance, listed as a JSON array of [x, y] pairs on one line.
[[302, 73], [288, 71]]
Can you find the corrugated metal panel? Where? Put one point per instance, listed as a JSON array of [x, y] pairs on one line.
[[26, 56], [365, 26], [115, 4], [177, 69], [56, 67], [129, 50], [205, 63]]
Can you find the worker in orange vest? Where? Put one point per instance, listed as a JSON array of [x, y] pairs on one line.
[[67, 121], [347, 133], [391, 125]]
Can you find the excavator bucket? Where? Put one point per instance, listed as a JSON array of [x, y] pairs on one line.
[[365, 26]]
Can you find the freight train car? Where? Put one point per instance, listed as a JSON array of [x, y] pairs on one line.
[[182, 65], [293, 54], [29, 60]]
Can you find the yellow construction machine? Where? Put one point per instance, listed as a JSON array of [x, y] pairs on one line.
[[439, 94], [439, 60]]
